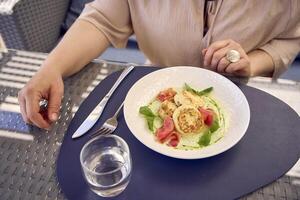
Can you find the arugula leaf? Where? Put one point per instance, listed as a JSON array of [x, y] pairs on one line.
[[204, 140], [199, 93], [148, 114], [215, 126]]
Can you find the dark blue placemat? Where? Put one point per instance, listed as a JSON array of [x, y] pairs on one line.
[[267, 151]]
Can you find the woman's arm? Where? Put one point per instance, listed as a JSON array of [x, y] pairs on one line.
[[261, 63], [101, 23], [255, 63], [270, 59], [82, 43], [79, 46]]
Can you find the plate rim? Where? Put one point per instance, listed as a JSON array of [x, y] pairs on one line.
[[178, 156]]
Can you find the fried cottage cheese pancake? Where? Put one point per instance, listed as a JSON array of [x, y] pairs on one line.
[[188, 98], [167, 108], [187, 119]]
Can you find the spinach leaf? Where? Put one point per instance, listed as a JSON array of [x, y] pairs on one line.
[[199, 93], [150, 121], [145, 110], [148, 114], [204, 140], [215, 126]]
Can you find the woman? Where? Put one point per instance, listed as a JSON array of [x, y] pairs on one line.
[[264, 37]]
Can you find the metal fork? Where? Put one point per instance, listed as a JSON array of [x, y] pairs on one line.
[[109, 125]]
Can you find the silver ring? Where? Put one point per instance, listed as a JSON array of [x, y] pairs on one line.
[[233, 56], [43, 104]]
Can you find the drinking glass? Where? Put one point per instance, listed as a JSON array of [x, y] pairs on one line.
[[106, 164]]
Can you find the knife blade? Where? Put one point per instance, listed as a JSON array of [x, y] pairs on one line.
[[93, 117]]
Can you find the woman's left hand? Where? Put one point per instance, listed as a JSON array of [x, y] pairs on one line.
[[215, 58]]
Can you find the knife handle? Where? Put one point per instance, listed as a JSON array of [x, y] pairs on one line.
[[126, 71]]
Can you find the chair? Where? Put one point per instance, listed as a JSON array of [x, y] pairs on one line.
[[32, 25]]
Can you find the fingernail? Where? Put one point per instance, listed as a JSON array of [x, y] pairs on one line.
[[53, 117]]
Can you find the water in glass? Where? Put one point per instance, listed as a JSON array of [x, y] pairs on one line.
[[107, 167]]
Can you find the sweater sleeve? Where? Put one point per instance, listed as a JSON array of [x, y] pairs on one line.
[[112, 18], [285, 47]]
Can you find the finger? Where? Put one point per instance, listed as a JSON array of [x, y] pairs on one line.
[[240, 68], [203, 52], [22, 104], [54, 103], [222, 65], [240, 49], [217, 56], [211, 49], [32, 109]]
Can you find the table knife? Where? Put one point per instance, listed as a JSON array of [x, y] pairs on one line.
[[90, 121]]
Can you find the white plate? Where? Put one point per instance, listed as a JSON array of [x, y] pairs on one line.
[[227, 93]]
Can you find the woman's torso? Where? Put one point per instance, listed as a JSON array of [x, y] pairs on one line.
[[171, 32]]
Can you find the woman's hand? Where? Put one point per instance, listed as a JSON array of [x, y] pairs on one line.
[[215, 58], [47, 84]]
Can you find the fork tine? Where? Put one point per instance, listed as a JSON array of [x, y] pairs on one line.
[[105, 131], [98, 131], [101, 131], [108, 132]]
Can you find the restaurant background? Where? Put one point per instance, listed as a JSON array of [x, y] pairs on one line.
[[38, 26]]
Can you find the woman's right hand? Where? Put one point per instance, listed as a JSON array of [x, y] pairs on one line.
[[74, 51], [47, 84]]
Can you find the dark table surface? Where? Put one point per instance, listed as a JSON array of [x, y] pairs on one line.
[[28, 155]]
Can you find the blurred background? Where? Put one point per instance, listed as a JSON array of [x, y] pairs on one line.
[[38, 25]]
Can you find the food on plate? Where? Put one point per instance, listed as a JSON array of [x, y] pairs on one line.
[[166, 108], [185, 118]]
